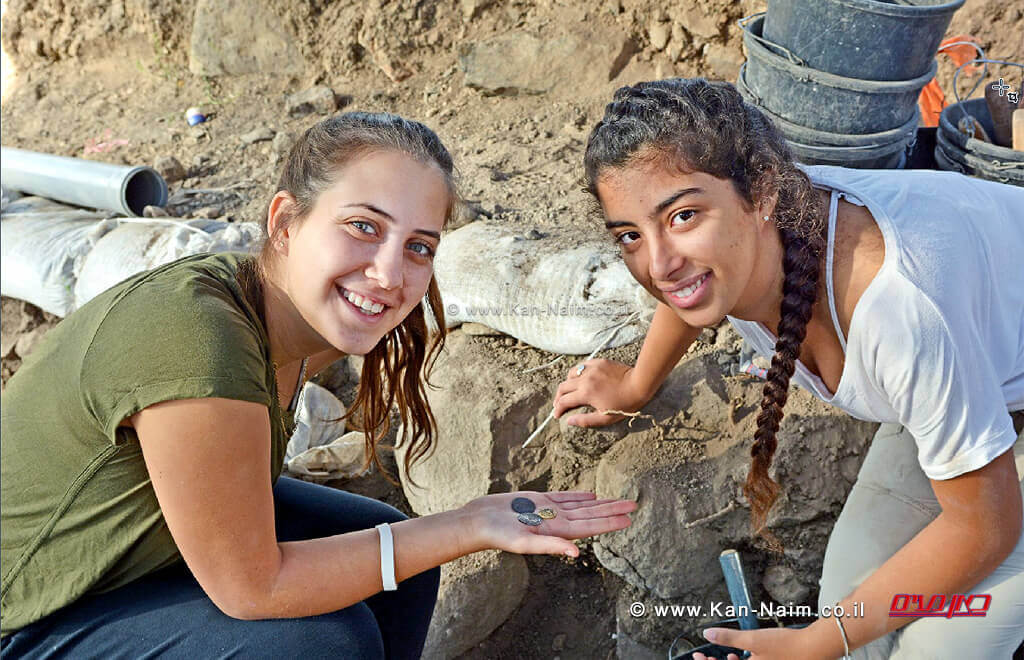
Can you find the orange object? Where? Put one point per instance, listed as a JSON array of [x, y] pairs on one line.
[[932, 100]]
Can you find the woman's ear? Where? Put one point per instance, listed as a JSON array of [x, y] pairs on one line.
[[279, 215], [766, 206]]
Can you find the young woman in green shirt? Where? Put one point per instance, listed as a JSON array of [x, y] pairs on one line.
[[150, 427]]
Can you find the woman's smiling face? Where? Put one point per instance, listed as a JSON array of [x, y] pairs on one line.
[[691, 240], [363, 257]]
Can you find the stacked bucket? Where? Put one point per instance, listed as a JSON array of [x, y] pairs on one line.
[[841, 78], [959, 152]]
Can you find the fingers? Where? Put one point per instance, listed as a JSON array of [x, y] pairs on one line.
[[590, 420], [561, 496], [603, 510], [570, 505], [569, 401], [578, 529], [740, 639]]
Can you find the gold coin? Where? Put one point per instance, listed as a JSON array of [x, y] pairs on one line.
[[546, 514]]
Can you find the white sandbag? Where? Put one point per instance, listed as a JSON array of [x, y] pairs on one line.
[[341, 459], [142, 243], [318, 420], [319, 449], [43, 247], [557, 293]]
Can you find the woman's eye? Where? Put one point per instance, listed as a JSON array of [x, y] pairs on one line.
[[627, 237], [364, 227], [422, 249], [681, 217]]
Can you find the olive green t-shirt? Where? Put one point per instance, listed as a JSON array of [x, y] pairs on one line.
[[78, 512]]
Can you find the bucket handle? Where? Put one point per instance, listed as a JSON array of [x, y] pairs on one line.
[[980, 60], [771, 45]]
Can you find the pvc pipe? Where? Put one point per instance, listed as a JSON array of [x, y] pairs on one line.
[[120, 188]]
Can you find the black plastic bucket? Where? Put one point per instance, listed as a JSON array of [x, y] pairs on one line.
[[884, 150], [824, 101], [867, 39], [959, 153]]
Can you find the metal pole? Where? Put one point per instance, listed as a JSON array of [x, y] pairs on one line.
[[737, 585]]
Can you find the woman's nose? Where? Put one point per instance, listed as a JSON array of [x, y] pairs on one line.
[[663, 259], [387, 265]]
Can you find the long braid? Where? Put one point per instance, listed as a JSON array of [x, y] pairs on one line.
[[801, 267], [706, 126]]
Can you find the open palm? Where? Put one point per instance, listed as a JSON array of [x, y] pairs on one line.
[[577, 514]]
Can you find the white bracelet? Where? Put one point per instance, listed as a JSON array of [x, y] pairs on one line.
[[387, 557], [846, 642]]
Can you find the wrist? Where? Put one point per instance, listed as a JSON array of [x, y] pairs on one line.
[[822, 639], [643, 386], [466, 528]]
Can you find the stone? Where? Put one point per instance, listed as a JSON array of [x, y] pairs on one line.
[[208, 212], [14, 321], [472, 8], [483, 417], [696, 21], [659, 34], [232, 37], [723, 61], [169, 168], [784, 585], [28, 341], [480, 330], [151, 211], [689, 483], [282, 143], [262, 134], [478, 593], [523, 63], [319, 99]]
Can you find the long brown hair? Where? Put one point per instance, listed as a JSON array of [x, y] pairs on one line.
[[706, 126], [396, 371]]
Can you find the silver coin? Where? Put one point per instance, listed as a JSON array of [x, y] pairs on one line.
[[523, 505], [531, 519]]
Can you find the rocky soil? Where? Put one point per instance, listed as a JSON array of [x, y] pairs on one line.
[[512, 88]]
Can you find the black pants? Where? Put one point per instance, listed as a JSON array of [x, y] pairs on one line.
[[167, 613]]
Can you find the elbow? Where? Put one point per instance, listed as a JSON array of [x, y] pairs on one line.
[[245, 598], [244, 607]]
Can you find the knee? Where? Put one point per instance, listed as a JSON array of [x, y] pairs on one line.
[[349, 633], [388, 513]]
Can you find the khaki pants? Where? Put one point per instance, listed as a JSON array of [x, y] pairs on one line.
[[889, 504]]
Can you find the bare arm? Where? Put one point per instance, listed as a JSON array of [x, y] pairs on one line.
[[667, 341], [609, 385], [209, 462], [979, 526]]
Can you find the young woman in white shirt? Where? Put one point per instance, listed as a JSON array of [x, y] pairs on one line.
[[895, 296]]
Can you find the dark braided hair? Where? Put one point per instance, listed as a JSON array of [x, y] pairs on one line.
[[705, 126]]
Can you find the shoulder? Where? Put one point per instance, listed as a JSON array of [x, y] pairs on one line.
[[198, 297], [184, 330]]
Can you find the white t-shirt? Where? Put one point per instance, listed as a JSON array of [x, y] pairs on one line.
[[936, 342]]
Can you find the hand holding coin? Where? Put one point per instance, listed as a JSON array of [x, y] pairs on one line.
[[539, 523]]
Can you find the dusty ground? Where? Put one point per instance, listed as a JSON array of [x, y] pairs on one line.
[[92, 74]]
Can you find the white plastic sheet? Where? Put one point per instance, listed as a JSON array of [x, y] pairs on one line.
[[320, 449]]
